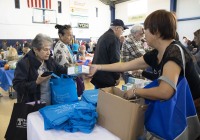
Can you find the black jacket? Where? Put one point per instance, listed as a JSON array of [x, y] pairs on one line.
[[26, 73], [107, 52]]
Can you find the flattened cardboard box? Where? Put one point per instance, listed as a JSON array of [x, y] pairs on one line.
[[123, 118]]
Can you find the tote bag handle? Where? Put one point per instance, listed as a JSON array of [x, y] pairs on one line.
[[62, 76], [183, 57]]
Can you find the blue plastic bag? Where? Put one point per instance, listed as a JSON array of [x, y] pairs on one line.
[[58, 114], [63, 90], [90, 96], [72, 117], [175, 118]]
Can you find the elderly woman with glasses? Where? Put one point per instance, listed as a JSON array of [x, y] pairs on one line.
[[28, 82]]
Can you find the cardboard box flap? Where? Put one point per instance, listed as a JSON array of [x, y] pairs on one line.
[[114, 90], [108, 89]]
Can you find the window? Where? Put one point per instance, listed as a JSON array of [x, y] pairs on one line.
[[137, 11], [59, 7], [45, 16], [17, 5]]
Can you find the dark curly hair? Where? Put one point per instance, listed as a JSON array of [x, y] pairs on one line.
[[61, 28]]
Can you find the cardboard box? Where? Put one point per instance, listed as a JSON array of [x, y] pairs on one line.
[[123, 118], [77, 70]]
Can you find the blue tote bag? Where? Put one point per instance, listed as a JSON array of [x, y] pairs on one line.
[[90, 96], [175, 118], [63, 90]]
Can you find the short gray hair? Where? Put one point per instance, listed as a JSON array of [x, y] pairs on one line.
[[39, 40], [136, 28], [112, 27]]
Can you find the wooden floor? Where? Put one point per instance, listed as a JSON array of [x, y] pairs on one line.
[[6, 105]]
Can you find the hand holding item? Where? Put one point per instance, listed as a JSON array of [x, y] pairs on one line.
[[130, 94], [93, 69], [41, 79], [47, 73]]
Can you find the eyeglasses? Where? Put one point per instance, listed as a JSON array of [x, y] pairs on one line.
[[122, 29], [142, 33], [46, 49]]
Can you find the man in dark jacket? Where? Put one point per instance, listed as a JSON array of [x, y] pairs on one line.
[[107, 52]]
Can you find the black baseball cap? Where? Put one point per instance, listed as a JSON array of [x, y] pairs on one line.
[[118, 22]]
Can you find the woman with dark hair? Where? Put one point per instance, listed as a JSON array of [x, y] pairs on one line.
[[28, 82], [62, 51], [165, 60], [165, 56]]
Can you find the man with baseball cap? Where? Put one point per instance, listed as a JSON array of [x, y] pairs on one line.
[[118, 22], [107, 52]]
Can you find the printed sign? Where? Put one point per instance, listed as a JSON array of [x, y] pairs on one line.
[[21, 123], [83, 25]]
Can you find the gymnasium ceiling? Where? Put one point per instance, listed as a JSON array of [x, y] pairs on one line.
[[112, 2]]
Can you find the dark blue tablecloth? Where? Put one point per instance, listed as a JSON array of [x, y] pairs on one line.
[[2, 63], [6, 77]]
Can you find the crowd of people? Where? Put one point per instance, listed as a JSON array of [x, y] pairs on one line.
[[12, 54]]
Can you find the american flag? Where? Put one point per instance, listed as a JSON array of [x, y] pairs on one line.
[[46, 4]]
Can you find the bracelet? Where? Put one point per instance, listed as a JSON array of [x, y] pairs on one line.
[[134, 91]]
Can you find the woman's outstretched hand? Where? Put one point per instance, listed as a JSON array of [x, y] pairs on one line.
[[93, 70]]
